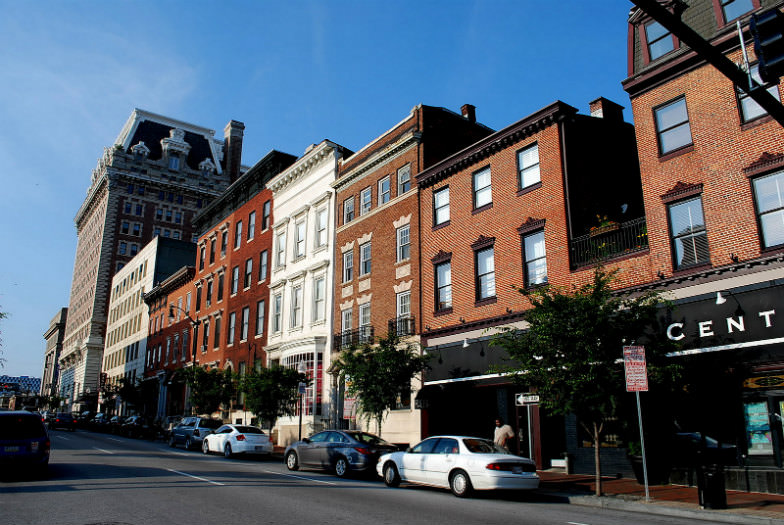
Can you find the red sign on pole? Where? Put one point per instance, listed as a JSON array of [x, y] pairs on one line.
[[636, 368]]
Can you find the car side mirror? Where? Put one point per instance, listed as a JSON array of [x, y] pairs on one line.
[[409, 449], [305, 440]]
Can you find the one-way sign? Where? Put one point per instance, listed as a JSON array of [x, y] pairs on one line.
[[522, 400]]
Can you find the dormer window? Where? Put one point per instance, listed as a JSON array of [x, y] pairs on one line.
[[207, 167], [174, 162], [175, 148], [659, 40], [140, 151]]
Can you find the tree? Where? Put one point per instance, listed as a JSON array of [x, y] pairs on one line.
[[272, 392], [571, 353], [209, 388], [377, 375]]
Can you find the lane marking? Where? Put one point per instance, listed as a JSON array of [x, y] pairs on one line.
[[575, 523], [299, 477], [195, 477], [179, 454], [104, 450], [115, 439], [63, 438]]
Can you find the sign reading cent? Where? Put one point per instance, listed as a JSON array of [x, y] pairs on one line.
[[636, 368]]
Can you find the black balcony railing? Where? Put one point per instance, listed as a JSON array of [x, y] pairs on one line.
[[608, 242], [347, 338], [402, 326]]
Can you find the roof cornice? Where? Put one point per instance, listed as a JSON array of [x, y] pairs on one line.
[[412, 138], [302, 166]]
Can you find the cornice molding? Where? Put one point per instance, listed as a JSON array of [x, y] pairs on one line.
[[306, 164], [407, 141], [681, 190], [766, 162], [530, 225]]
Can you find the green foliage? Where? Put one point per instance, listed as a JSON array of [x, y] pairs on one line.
[[209, 388], [571, 354], [139, 394], [272, 392], [378, 374]]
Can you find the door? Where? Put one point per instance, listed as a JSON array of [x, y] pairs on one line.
[[310, 453], [413, 468], [440, 461]]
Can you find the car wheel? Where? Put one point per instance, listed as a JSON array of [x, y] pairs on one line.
[[227, 453], [172, 442], [188, 443], [292, 462], [391, 476], [205, 447], [460, 484], [341, 467]]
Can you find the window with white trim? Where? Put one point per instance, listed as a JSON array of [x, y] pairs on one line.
[[364, 258], [321, 227], [384, 191], [535, 257], [280, 246], [404, 179], [483, 192], [245, 321], [348, 266], [319, 298], [769, 203], [403, 242], [441, 206], [260, 305], [528, 166], [365, 201], [299, 244], [296, 306], [231, 328], [688, 234]]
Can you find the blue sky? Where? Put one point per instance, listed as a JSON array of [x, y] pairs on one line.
[[294, 71]]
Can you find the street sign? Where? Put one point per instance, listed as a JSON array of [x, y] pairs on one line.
[[302, 388], [522, 400], [636, 368]]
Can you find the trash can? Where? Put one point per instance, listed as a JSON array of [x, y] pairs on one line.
[[710, 488]]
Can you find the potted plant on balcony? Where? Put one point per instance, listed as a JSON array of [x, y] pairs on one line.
[[603, 225]]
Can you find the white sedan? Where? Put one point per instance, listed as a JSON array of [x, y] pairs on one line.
[[460, 463], [237, 439]]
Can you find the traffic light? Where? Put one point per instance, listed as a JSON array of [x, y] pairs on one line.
[[767, 29]]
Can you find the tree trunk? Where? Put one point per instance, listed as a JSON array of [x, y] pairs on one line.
[[597, 457]]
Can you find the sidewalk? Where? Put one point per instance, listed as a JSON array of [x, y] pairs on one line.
[[671, 500]]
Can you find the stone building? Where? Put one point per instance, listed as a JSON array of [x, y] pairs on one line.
[[54, 337]]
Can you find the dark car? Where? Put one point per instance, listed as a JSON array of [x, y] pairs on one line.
[[24, 442], [62, 420], [342, 451], [191, 431], [138, 427], [99, 423], [690, 449], [115, 424]]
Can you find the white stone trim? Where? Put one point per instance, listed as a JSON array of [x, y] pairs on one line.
[[363, 299], [404, 286]]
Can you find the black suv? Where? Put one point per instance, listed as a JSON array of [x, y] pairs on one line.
[[24, 442]]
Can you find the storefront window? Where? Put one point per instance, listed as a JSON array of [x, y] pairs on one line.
[[758, 432]]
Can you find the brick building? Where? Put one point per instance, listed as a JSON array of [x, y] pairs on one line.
[[517, 209], [712, 166], [377, 237], [151, 182]]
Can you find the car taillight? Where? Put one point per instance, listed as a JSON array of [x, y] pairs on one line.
[[47, 445], [509, 467], [57, 420], [240, 437], [362, 450]]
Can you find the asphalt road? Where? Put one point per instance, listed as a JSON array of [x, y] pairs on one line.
[[105, 479]]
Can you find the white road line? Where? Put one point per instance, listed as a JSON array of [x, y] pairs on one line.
[[63, 438], [299, 477], [104, 450], [575, 523], [180, 454], [115, 439], [195, 477]]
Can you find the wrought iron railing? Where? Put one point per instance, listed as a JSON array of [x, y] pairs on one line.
[[402, 326], [358, 336], [607, 242]]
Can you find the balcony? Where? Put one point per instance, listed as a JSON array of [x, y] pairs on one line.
[[609, 242], [348, 338], [402, 326]]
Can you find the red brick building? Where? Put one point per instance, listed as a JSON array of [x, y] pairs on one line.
[[377, 237]]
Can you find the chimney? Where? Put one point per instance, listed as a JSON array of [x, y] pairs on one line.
[[232, 148], [606, 109], [469, 112]]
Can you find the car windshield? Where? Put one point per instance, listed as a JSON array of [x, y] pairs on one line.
[[484, 446], [249, 430], [210, 423], [21, 427], [367, 439]]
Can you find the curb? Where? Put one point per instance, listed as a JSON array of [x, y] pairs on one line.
[[665, 510]]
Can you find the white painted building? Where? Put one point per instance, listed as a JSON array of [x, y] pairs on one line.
[[300, 320]]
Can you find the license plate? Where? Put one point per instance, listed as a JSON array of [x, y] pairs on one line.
[[517, 470], [259, 448], [12, 449]]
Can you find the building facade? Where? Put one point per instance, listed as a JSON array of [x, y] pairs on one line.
[[151, 182], [54, 337]]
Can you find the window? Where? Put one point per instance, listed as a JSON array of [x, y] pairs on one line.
[[248, 273], [348, 210], [528, 165], [265, 215], [260, 317], [245, 320], [216, 338], [769, 201], [348, 266], [346, 325], [125, 228], [441, 206], [123, 248], [444, 285], [281, 247], [205, 336], [483, 194], [220, 286], [384, 190], [364, 259], [749, 109], [319, 298], [169, 215], [364, 323], [198, 298], [139, 209], [403, 243], [212, 250], [659, 40], [134, 249], [299, 245], [251, 225], [404, 179], [208, 298], [732, 9], [232, 327], [403, 306], [365, 201], [296, 306], [321, 227], [689, 237], [485, 274], [224, 243], [178, 217], [202, 255], [174, 162], [128, 208], [137, 229], [235, 279], [237, 234], [535, 259], [672, 126], [277, 307], [263, 265]]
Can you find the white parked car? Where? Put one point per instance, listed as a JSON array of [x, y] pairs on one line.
[[237, 439], [460, 463]]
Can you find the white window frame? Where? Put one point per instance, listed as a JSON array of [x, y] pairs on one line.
[[322, 224], [280, 249], [296, 305], [244, 327], [528, 167], [403, 235], [348, 269], [403, 179], [384, 196], [231, 328], [441, 213], [482, 196], [365, 201], [319, 298], [260, 312], [300, 234], [365, 258]]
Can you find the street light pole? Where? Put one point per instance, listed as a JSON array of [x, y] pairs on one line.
[[301, 369]]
